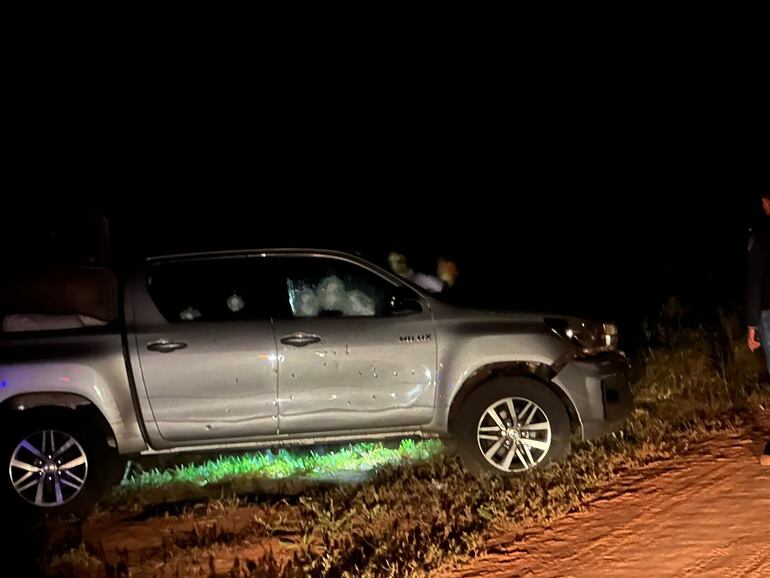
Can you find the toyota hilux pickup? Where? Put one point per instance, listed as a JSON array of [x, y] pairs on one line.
[[249, 350]]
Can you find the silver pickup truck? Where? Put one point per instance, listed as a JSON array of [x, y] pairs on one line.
[[261, 349]]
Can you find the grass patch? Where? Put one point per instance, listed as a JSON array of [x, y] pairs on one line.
[[236, 473]]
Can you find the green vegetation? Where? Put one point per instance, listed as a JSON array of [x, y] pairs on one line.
[[234, 472]]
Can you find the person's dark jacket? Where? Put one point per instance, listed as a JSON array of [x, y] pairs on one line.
[[758, 299]]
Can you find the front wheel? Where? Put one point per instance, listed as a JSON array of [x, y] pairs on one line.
[[512, 424], [56, 465]]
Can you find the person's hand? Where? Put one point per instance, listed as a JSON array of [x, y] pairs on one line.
[[754, 343]]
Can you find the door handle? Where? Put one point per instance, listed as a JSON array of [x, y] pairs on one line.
[[165, 346], [300, 339]]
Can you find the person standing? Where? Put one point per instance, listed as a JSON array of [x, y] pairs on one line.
[[758, 294], [758, 301], [400, 266]]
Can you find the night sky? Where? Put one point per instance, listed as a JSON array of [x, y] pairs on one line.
[[568, 212]]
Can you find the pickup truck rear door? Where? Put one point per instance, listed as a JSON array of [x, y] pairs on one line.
[[206, 349]]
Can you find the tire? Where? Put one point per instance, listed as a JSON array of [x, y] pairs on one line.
[[540, 435], [78, 444]]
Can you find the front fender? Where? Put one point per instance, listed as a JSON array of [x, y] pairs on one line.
[[462, 355]]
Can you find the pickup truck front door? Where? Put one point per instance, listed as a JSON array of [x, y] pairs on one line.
[[347, 359]]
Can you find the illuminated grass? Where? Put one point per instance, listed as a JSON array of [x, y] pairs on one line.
[[286, 464]]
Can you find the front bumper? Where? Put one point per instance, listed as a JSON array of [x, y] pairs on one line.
[[600, 391]]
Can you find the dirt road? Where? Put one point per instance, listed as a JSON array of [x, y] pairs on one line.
[[706, 514]]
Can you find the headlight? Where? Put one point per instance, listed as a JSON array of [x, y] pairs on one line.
[[591, 337]]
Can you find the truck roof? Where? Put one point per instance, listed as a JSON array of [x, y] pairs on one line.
[[262, 251]]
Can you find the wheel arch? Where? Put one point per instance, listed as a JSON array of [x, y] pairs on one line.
[[15, 408], [539, 372]]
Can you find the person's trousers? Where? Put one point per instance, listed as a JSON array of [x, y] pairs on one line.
[[764, 332], [764, 335]]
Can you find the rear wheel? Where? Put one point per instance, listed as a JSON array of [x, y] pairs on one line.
[[510, 425], [57, 464]]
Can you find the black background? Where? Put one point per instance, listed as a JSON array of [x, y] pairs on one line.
[[564, 194]]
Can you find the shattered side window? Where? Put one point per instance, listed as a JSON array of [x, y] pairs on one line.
[[319, 287], [215, 290], [303, 299]]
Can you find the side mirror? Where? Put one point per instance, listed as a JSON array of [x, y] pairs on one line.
[[404, 301]]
